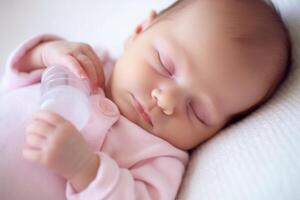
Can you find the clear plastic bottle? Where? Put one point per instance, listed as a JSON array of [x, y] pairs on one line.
[[64, 93]]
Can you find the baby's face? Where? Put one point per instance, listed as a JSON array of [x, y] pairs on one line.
[[183, 79]]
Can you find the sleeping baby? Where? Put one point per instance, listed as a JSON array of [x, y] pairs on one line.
[[185, 74]]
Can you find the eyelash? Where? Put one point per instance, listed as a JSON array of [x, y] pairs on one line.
[[170, 74], [195, 114]]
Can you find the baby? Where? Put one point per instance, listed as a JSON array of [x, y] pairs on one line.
[[184, 75]]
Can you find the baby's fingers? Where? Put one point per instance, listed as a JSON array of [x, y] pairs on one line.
[[74, 66], [50, 120], [89, 68], [32, 154], [39, 127], [35, 141], [98, 65]]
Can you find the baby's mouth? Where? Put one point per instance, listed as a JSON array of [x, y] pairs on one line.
[[140, 110]]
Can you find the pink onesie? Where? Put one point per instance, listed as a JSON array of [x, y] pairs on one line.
[[134, 163]]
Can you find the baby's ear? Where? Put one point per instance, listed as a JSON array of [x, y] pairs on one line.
[[146, 23], [140, 28]]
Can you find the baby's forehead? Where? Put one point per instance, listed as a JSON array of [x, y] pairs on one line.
[[229, 25], [225, 14]]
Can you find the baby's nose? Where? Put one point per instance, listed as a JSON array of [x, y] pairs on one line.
[[165, 100]]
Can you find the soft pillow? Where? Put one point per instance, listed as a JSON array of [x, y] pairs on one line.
[[257, 158]]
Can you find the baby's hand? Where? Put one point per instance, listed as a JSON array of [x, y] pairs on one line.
[[80, 58], [55, 143]]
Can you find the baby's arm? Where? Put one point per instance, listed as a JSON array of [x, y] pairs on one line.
[[55, 143], [32, 60], [26, 63], [18, 75], [158, 177]]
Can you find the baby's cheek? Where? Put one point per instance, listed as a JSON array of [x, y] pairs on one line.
[[182, 134]]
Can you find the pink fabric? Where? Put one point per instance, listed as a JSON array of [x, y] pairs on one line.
[[134, 163], [14, 78]]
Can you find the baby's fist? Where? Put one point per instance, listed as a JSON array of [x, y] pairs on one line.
[[55, 143]]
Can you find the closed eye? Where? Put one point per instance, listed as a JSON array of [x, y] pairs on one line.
[[197, 114], [166, 63]]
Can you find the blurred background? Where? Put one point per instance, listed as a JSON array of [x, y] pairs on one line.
[[97, 22]]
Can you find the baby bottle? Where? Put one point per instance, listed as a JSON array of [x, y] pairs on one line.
[[62, 92]]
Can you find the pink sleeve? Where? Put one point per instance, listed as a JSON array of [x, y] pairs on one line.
[[14, 78], [156, 178]]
